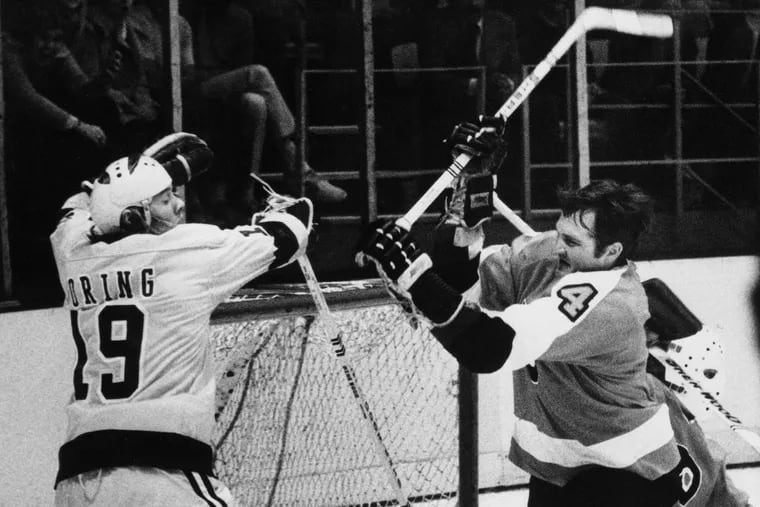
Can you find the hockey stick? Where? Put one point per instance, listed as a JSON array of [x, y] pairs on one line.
[[749, 436], [336, 341], [592, 18], [510, 215]]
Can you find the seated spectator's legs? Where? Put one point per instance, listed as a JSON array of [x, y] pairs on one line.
[[254, 118], [256, 79], [248, 147]]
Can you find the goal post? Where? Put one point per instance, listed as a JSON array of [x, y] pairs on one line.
[[289, 431]]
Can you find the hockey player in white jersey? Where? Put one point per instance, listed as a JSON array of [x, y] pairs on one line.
[[140, 287], [566, 312]]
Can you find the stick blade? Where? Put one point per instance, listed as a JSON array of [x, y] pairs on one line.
[[643, 24]]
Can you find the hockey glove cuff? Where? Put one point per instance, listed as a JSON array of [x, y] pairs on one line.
[[469, 202], [289, 222]]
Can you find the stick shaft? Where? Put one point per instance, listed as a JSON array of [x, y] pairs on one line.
[[336, 340], [592, 18], [512, 217], [506, 110]]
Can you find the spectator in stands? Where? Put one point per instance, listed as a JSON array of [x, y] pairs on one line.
[[499, 52], [734, 37], [540, 24], [276, 27], [230, 84], [398, 97], [42, 77], [730, 77], [132, 116], [47, 98], [639, 133], [145, 20], [448, 37], [696, 26]]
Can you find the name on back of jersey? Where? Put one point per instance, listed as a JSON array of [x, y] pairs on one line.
[[89, 289]]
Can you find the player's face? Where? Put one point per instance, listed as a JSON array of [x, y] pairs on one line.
[[166, 211], [576, 244]]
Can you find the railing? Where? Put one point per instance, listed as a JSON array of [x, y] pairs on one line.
[[367, 172]]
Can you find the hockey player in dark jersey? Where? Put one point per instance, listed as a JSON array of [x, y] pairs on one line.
[[566, 312], [140, 288]]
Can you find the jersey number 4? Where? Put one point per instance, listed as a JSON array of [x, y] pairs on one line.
[[576, 299], [125, 346]]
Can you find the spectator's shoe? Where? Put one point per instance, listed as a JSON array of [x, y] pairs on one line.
[[321, 190]]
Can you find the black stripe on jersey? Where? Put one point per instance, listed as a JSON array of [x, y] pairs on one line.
[[480, 343], [284, 239], [197, 488], [435, 298], [453, 263], [122, 448]]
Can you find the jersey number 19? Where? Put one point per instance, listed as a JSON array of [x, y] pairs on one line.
[[125, 346]]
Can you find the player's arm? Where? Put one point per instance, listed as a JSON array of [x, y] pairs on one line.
[[481, 343], [288, 223]]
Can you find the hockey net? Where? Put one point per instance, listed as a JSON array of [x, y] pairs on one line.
[[289, 432]]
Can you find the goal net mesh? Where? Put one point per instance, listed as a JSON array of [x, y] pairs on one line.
[[290, 431]]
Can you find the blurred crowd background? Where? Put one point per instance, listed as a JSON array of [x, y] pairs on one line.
[[85, 82]]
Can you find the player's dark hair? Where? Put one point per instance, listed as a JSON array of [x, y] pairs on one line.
[[623, 213]]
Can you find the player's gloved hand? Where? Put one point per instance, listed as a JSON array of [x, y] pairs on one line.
[[395, 254], [478, 139], [469, 199], [183, 155]]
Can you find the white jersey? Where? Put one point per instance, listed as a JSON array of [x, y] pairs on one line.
[[140, 310]]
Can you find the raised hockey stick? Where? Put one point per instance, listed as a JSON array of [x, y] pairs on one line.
[[752, 438], [513, 218], [592, 18]]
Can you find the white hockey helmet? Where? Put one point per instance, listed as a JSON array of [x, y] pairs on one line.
[[121, 194]]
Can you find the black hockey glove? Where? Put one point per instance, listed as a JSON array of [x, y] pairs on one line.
[[395, 253], [480, 139], [183, 155], [470, 197]]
